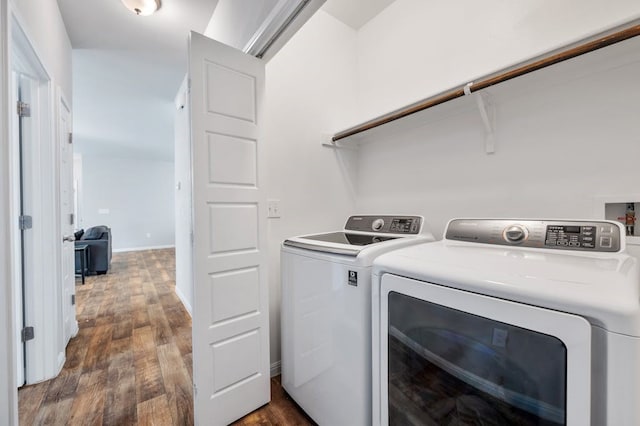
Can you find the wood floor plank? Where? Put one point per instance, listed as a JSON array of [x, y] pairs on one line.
[[97, 351], [120, 404], [88, 403], [154, 412], [162, 333], [31, 398], [52, 414], [177, 382], [62, 387], [148, 374]]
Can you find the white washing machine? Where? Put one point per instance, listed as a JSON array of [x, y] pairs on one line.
[[326, 314], [527, 322]]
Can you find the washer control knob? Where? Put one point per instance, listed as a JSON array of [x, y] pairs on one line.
[[515, 233], [377, 224]]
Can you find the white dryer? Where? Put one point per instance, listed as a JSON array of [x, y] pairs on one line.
[[326, 314], [527, 322]]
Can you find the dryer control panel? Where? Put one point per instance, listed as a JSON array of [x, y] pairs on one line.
[[596, 236]]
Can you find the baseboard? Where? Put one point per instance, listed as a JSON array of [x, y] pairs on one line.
[[122, 250], [62, 358], [75, 329], [184, 301], [276, 368]]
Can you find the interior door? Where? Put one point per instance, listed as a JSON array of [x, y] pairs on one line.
[[66, 221], [230, 312]]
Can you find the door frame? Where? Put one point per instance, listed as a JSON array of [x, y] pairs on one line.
[[8, 384], [44, 357], [15, 44]]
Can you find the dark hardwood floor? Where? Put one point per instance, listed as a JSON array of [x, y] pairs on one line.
[[130, 363]]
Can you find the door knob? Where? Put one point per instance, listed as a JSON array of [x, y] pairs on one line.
[[69, 238]]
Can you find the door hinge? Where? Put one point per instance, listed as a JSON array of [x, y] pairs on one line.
[[24, 109], [71, 218], [27, 334], [195, 390], [70, 137], [73, 299], [25, 222]]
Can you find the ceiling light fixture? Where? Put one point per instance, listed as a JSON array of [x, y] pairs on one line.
[[142, 7]]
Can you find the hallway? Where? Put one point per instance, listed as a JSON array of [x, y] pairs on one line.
[[131, 360]]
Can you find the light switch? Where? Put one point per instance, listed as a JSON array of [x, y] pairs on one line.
[[273, 208], [103, 211]]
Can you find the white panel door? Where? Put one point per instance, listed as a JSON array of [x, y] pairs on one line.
[[230, 310], [70, 325]]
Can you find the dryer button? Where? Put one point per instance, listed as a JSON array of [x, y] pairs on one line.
[[377, 224], [515, 234]]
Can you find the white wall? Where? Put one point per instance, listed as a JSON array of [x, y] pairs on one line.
[[138, 194], [310, 90], [45, 27], [565, 136], [123, 127], [416, 48]]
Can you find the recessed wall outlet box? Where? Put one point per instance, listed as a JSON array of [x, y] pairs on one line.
[[623, 209], [103, 211], [273, 208], [626, 213]]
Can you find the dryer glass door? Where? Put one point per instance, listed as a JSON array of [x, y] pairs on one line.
[[454, 365], [463, 368]]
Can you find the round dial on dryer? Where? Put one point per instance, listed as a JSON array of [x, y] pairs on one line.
[[515, 233], [377, 224]]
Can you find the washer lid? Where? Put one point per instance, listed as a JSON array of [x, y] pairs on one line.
[[350, 238], [362, 231], [348, 243]]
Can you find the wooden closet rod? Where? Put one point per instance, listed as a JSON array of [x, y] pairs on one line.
[[482, 83]]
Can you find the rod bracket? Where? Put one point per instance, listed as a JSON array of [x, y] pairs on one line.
[[327, 140], [487, 111]]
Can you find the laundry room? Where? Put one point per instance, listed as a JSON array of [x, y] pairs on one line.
[[387, 212], [565, 137], [560, 142]]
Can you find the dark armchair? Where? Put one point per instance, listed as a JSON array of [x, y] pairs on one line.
[[98, 239]]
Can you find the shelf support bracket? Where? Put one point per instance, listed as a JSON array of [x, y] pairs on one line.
[[488, 115], [487, 111], [327, 140]]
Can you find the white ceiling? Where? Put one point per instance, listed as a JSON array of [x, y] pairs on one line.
[[126, 72], [127, 68], [107, 24], [355, 13]]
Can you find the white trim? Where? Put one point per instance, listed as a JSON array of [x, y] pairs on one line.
[[43, 352], [8, 361], [184, 301], [276, 368], [123, 250]]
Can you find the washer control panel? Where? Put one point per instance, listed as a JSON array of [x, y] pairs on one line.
[[600, 236], [385, 224]]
